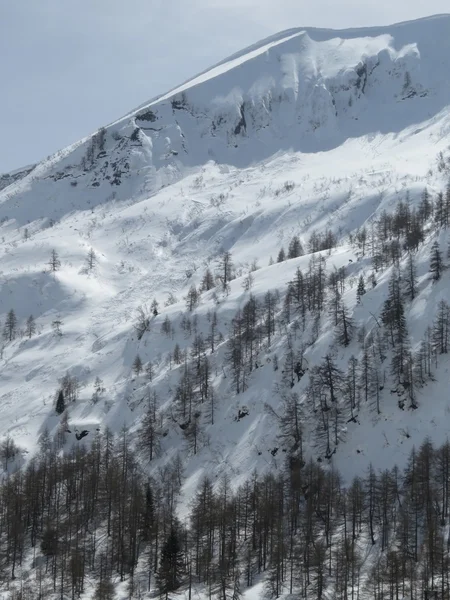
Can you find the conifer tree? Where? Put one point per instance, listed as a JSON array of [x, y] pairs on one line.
[[425, 206], [436, 263], [54, 261], [30, 327], [295, 248], [166, 326], [207, 281], [392, 314], [171, 565], [148, 517], [345, 327], [226, 269], [60, 403], [57, 324], [192, 298], [154, 307], [98, 389], [137, 365], [177, 355], [441, 329], [148, 438], [334, 300], [281, 255], [361, 289], [393, 317], [104, 590], [439, 210], [331, 378], [91, 259], [297, 295], [270, 305], [212, 334], [142, 323], [410, 277], [10, 327]]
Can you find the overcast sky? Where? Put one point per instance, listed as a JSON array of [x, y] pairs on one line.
[[69, 66]]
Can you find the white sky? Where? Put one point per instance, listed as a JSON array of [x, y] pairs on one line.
[[69, 66]]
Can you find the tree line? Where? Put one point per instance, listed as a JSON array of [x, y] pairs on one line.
[[88, 518]]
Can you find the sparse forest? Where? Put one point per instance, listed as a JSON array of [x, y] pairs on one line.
[[91, 515]]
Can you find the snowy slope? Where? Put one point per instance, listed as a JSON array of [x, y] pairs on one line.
[[311, 129]]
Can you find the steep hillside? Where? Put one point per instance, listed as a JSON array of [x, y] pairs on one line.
[[325, 136]]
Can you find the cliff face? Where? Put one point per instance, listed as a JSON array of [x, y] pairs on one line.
[[306, 90]]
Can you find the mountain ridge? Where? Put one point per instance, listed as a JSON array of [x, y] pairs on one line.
[[281, 39], [277, 38]]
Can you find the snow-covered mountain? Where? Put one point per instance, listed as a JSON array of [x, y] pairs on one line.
[[311, 130]]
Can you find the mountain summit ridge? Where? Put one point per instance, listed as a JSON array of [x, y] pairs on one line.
[[443, 18], [305, 89]]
